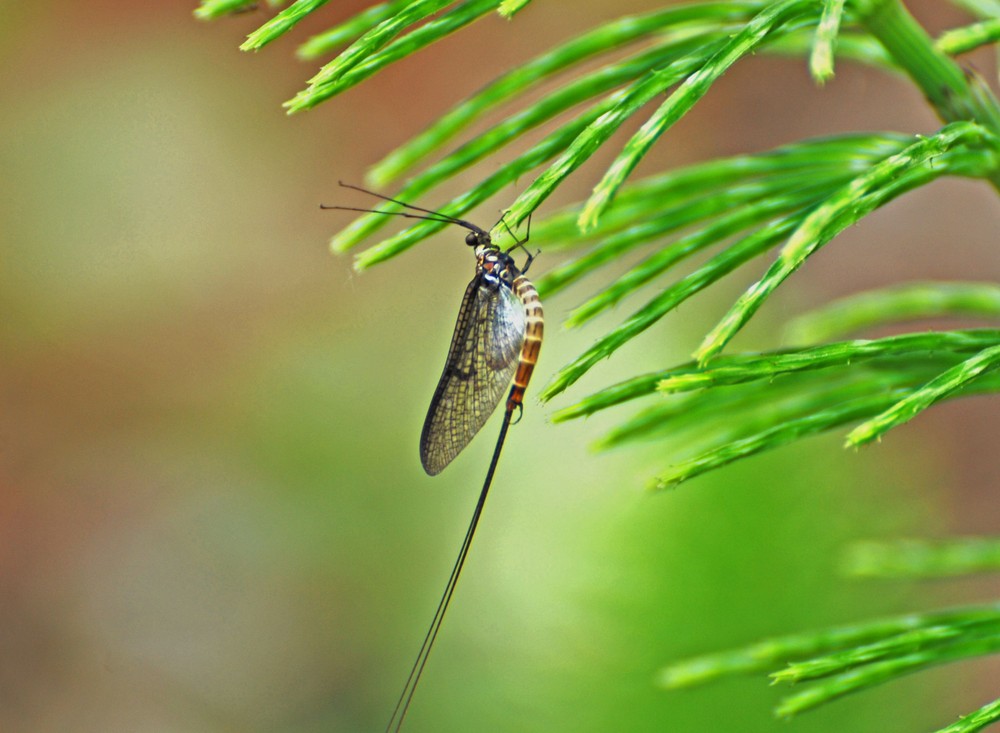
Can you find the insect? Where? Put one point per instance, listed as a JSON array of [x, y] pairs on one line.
[[495, 345]]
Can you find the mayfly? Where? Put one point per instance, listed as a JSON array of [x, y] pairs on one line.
[[496, 342]]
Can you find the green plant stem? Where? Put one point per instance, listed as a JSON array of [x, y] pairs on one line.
[[817, 420], [330, 40], [770, 653], [955, 95], [963, 40], [718, 266], [765, 23], [739, 368], [509, 7], [918, 164], [821, 58], [975, 721], [879, 672], [280, 24], [923, 558], [891, 305], [937, 389]]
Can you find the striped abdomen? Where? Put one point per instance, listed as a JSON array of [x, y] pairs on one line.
[[533, 327]]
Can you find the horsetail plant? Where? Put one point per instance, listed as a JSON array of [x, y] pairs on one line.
[[783, 204]]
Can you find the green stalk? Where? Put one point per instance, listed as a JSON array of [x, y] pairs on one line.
[[954, 94]]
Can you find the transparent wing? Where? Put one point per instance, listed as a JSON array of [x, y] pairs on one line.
[[481, 363]]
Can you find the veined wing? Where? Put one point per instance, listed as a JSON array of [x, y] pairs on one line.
[[481, 363]]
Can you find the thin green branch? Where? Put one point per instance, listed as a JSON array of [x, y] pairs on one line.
[[458, 207], [955, 95], [770, 654], [935, 390], [511, 128], [975, 721], [330, 40], [923, 558], [509, 7], [852, 45], [821, 58], [736, 220], [590, 140], [896, 176], [280, 24], [742, 368], [920, 162], [970, 37], [876, 673], [723, 211], [721, 417], [894, 647], [755, 32], [895, 304], [211, 9], [430, 32], [617, 34], [784, 432], [717, 267], [371, 42], [766, 171]]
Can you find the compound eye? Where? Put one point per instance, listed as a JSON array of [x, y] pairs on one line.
[[472, 239]]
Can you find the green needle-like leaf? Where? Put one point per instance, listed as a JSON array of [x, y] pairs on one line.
[[280, 24], [770, 654], [923, 558], [722, 264], [368, 44], [425, 35], [893, 647], [588, 142], [772, 17], [969, 38], [910, 301], [460, 206], [922, 160], [935, 390], [742, 178], [509, 7], [336, 37], [211, 9], [513, 127], [877, 673], [736, 221], [674, 22], [975, 721], [821, 58], [738, 369], [782, 433]]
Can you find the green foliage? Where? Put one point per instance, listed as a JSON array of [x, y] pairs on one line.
[[787, 203], [923, 559]]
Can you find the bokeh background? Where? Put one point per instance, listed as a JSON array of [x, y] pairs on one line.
[[212, 513]]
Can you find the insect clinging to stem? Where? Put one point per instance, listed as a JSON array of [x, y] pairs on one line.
[[495, 344]]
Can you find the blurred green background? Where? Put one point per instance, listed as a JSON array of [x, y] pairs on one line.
[[212, 513]]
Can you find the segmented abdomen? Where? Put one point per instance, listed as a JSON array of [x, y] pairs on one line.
[[534, 326]]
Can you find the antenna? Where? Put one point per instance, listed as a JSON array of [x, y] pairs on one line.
[[434, 215]]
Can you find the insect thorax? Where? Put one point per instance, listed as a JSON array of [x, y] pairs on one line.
[[496, 266]]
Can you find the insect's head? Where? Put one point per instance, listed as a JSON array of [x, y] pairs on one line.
[[480, 239]]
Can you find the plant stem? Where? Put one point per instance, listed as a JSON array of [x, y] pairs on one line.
[[954, 93]]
